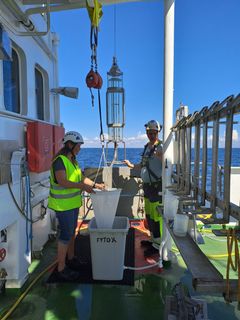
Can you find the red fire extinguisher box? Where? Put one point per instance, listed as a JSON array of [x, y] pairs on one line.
[[58, 134], [39, 146]]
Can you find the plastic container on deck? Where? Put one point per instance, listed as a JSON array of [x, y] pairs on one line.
[[108, 249], [105, 204], [180, 226]]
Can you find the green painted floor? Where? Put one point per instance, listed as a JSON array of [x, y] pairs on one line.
[[144, 300]]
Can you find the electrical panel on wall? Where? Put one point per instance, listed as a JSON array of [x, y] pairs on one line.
[[7, 147]]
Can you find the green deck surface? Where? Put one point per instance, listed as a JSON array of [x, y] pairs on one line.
[[144, 300]]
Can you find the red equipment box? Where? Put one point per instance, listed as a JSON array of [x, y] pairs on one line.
[[58, 134], [39, 146]]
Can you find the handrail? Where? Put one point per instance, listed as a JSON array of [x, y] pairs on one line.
[[192, 181]]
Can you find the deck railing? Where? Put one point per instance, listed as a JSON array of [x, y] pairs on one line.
[[199, 138]]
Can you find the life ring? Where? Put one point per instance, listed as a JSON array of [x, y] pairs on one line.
[[2, 254]]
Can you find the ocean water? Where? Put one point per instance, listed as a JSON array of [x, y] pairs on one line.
[[92, 157]]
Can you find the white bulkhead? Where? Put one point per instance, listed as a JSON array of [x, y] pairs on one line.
[[25, 96]]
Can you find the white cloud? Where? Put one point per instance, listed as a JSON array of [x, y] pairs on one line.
[[137, 141], [222, 138], [235, 139], [140, 139], [209, 140], [235, 135]]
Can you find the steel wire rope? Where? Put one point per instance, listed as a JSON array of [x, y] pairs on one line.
[[84, 216], [115, 28], [100, 117], [88, 197], [99, 164]]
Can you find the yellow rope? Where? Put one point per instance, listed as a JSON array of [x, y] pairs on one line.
[[232, 239], [10, 311]]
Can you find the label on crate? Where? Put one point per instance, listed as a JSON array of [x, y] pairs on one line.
[[106, 239]]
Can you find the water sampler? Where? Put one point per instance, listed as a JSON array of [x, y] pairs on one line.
[[115, 110]]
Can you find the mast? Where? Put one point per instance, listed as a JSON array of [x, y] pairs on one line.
[[168, 87], [169, 5]]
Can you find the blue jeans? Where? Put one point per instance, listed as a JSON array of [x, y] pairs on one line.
[[67, 224]]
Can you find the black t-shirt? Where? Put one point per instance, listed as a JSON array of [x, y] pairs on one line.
[[57, 166]]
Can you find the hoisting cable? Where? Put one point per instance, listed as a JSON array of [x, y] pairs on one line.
[[232, 238], [93, 79], [102, 158], [100, 117], [85, 216]]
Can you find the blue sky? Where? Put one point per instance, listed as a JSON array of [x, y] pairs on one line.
[[207, 60]]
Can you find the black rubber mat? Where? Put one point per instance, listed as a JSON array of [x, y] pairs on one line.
[[82, 251]]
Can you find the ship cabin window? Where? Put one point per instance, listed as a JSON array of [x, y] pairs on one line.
[[41, 90], [39, 94], [11, 83]]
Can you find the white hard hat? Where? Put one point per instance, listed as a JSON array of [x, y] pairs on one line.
[[73, 136], [153, 125]]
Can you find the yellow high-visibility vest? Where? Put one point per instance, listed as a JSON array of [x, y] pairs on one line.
[[61, 198]]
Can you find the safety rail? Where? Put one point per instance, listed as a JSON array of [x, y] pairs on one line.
[[194, 148]]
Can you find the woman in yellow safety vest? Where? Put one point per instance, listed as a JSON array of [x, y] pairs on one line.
[[66, 185]]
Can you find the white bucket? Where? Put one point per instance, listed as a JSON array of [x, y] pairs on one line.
[[180, 226], [105, 204], [170, 205]]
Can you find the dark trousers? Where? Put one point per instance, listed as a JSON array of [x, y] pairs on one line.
[[154, 227]]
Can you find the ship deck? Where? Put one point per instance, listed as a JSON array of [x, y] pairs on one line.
[[146, 299]]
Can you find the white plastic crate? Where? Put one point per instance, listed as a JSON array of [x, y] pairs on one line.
[[108, 249]]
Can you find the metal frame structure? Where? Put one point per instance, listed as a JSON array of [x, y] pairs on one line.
[[191, 182]]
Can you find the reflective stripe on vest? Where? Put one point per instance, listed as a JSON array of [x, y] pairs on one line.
[[56, 187], [61, 198], [64, 196]]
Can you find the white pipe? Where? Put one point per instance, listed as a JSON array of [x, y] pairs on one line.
[[168, 80], [169, 6], [24, 19], [55, 8], [143, 267], [70, 6], [56, 99], [164, 248]]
